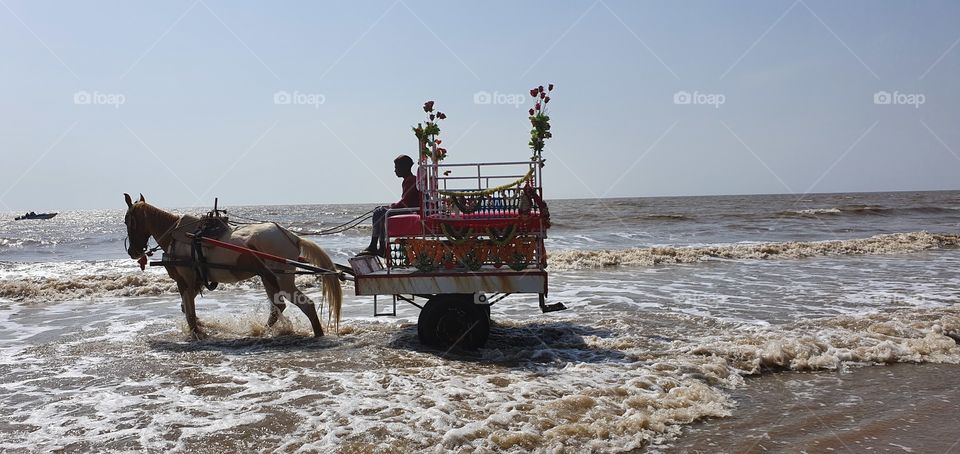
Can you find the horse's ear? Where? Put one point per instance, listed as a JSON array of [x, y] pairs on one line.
[[128, 199], [141, 198]]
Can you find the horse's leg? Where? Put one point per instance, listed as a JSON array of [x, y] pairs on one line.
[[275, 311], [188, 294], [190, 309], [303, 302], [309, 309], [277, 305]]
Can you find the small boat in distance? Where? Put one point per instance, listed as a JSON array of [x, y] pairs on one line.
[[32, 215]]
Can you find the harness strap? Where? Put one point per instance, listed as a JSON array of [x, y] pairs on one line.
[[200, 262]]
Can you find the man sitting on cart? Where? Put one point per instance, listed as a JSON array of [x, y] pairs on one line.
[[410, 198]]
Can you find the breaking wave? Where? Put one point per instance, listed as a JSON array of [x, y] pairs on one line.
[[113, 279], [45, 289], [894, 243], [812, 212], [656, 391], [19, 243], [871, 210], [898, 336], [80, 280]]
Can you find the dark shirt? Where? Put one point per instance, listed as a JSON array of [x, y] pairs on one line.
[[411, 195]]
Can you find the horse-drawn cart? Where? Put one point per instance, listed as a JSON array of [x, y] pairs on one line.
[[476, 237]]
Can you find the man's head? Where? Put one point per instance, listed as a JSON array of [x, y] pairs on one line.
[[403, 166]]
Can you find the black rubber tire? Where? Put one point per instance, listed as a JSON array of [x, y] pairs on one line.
[[453, 321]]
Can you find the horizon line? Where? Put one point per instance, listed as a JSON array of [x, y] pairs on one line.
[[750, 194]]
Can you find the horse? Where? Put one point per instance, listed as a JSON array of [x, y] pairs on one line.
[[171, 234]]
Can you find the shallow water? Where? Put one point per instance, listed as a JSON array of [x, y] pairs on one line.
[[681, 335]]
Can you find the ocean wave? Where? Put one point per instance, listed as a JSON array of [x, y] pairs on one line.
[[664, 390], [895, 243], [19, 243], [45, 288], [667, 217], [897, 336], [868, 210], [812, 212], [305, 230], [48, 282]]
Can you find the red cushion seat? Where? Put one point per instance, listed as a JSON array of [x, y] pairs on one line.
[[404, 225], [411, 225]]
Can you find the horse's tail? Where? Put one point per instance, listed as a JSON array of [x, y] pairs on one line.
[[331, 281]]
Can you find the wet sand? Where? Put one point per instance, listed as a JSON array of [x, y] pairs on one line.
[[896, 408]]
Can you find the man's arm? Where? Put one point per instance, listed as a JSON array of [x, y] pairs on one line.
[[410, 197]]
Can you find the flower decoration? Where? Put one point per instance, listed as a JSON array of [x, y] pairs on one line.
[[540, 121], [428, 131]]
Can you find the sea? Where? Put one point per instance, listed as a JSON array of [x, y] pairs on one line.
[[757, 323]]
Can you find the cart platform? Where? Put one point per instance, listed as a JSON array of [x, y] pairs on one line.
[[409, 281]]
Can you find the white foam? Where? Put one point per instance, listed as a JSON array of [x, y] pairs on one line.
[[895, 243], [427, 402]]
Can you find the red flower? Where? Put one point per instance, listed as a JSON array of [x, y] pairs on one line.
[[431, 117], [537, 106], [441, 115], [542, 94], [428, 106], [533, 92], [546, 100], [540, 89], [531, 112], [438, 141], [550, 87]]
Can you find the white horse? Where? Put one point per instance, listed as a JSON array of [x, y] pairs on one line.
[[170, 231]]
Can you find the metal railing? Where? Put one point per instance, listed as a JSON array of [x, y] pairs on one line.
[[438, 178]]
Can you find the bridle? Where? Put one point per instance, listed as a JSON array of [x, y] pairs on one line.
[[130, 223], [146, 251]]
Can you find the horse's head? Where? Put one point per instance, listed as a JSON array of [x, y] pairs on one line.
[[136, 222]]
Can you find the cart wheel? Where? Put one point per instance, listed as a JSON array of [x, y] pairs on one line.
[[453, 320]]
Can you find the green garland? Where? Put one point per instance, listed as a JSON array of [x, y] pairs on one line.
[[501, 238], [455, 235], [489, 191]]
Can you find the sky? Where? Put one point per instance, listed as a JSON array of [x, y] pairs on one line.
[[309, 102]]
